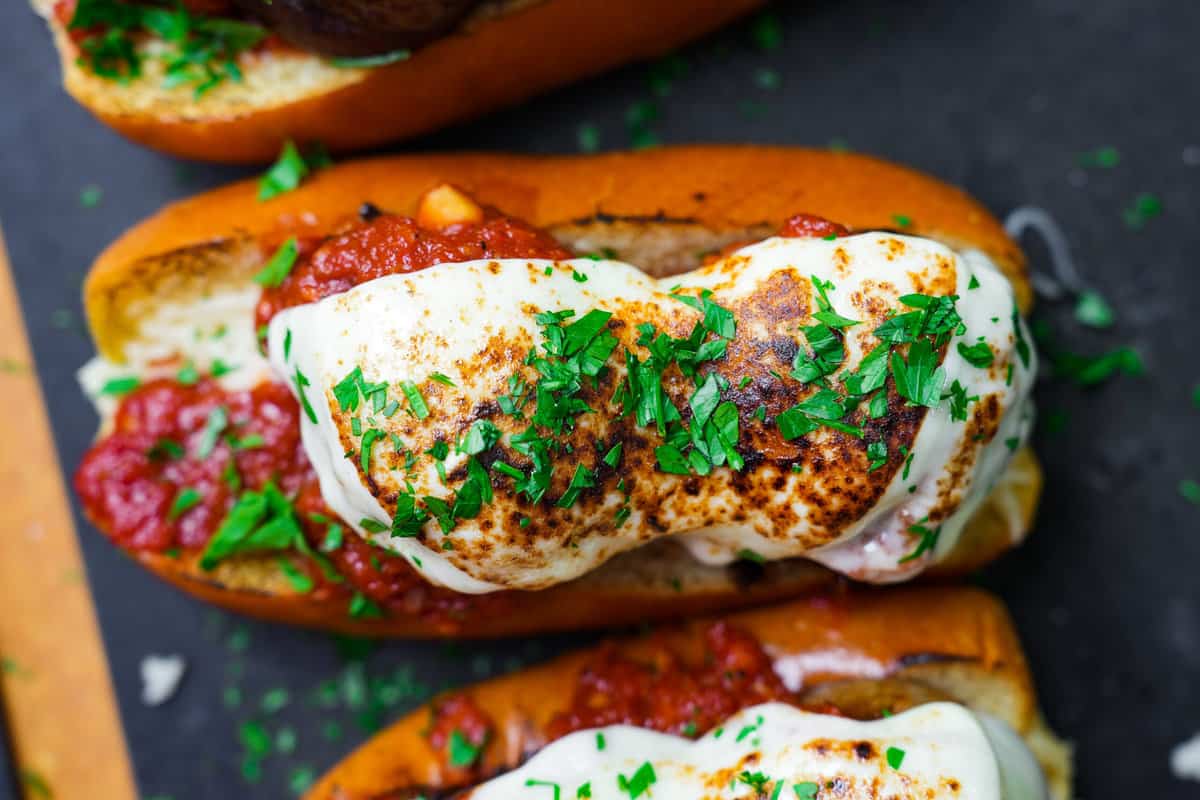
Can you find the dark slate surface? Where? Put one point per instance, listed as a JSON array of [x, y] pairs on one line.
[[1000, 98]]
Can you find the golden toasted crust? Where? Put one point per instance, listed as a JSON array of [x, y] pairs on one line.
[[493, 63], [632, 589], [651, 204], [952, 642]]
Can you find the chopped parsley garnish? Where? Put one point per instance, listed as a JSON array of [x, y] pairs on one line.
[[919, 379], [671, 460], [639, 783], [186, 499], [1093, 370], [482, 436], [1092, 310], [362, 607], [1144, 208], [277, 268], [613, 457], [290, 170], [587, 137], [416, 403], [219, 368], [372, 525], [979, 354], [333, 538], [927, 542], [462, 751], [1102, 157], [825, 313], [301, 582], [257, 522], [878, 453], [767, 32], [755, 780], [806, 790], [368, 442], [188, 375], [958, 401], [583, 478], [895, 757], [300, 382], [550, 784], [200, 52], [165, 450], [710, 440], [90, 196], [746, 554], [118, 387], [214, 425]]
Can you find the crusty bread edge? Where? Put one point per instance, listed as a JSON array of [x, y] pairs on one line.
[[956, 640], [190, 248], [717, 186], [495, 63]]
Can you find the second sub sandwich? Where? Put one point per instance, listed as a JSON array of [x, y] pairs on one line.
[[232, 80], [910, 694], [488, 395]]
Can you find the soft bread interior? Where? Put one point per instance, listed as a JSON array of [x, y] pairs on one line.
[[661, 246]]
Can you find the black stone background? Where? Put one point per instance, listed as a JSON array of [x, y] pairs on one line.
[[998, 97]]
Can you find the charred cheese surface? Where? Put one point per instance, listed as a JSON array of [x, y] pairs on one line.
[[424, 391], [937, 751]]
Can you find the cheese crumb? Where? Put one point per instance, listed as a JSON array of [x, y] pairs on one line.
[[160, 677], [1185, 760]]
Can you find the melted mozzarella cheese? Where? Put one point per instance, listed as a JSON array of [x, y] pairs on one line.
[[473, 322], [932, 752]]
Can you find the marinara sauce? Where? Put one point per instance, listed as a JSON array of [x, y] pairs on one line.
[[662, 691], [391, 245], [668, 694]]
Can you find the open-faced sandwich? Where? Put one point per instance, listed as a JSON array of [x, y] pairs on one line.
[[484, 395], [906, 694], [232, 80]]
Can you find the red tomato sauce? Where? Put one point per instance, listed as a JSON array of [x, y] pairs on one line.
[[129, 481], [458, 731], [391, 245], [810, 226], [668, 694], [663, 692]]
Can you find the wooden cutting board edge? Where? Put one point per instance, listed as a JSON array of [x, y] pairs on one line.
[[63, 726]]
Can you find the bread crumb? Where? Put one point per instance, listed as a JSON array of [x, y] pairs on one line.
[[1185, 760], [160, 678]]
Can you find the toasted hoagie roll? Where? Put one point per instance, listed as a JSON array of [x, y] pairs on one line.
[[344, 73], [329, 489], [903, 693]]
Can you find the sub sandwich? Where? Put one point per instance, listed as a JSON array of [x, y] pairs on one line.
[[233, 80], [485, 395], [904, 694]]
